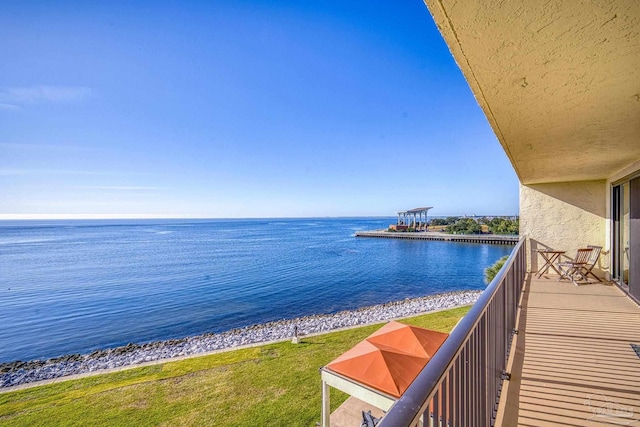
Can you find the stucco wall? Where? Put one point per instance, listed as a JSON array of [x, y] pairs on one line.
[[565, 216]]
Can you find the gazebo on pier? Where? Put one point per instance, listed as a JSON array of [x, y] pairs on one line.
[[413, 218]]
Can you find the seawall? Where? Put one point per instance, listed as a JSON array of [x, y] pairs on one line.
[[472, 238]]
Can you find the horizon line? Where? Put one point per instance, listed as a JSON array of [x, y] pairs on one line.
[[27, 217]]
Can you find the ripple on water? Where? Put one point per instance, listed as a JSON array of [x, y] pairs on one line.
[[96, 285]]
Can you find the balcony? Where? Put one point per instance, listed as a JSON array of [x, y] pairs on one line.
[[533, 352], [573, 363]]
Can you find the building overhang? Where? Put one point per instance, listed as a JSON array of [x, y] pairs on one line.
[[559, 81]]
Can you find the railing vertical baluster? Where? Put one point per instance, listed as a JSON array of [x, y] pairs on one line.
[[512, 299], [445, 402], [492, 353], [485, 369], [453, 396], [460, 398], [436, 408], [482, 371], [510, 306], [488, 359], [474, 377], [496, 359], [478, 396], [503, 326], [467, 385]]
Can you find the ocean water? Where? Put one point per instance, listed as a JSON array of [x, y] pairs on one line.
[[77, 286]]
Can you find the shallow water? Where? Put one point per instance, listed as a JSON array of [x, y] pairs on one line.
[[75, 286]]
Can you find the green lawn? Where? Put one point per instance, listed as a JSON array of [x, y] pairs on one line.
[[270, 385]]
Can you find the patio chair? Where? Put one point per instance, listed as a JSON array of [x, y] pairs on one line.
[[593, 260], [369, 420], [574, 270]]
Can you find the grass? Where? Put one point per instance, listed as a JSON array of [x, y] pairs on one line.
[[275, 384]]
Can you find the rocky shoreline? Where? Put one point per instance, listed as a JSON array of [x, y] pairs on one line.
[[18, 372]]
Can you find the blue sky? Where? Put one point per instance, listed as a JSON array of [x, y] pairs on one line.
[[239, 109]]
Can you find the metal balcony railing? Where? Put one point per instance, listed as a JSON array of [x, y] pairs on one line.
[[460, 386]]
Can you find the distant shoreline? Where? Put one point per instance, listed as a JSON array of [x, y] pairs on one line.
[[15, 374], [100, 217], [107, 217]]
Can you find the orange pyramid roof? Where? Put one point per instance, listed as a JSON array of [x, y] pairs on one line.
[[391, 358]]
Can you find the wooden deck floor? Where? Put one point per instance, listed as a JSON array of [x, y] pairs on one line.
[[574, 364]]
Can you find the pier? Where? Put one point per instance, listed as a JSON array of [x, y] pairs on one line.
[[471, 238]]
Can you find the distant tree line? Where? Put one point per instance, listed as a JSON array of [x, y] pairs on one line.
[[504, 226], [444, 221], [459, 225], [464, 226]]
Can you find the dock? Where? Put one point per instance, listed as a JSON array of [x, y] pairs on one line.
[[426, 235]]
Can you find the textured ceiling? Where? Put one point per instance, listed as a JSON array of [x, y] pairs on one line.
[[558, 80]]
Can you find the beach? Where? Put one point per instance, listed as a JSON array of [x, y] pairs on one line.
[[18, 373]]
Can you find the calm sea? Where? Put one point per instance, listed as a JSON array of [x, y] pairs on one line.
[[76, 286]]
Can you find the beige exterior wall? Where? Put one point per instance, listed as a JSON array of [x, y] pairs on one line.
[[565, 216]]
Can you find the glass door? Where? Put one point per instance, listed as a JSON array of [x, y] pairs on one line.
[[633, 242], [616, 215], [626, 235]]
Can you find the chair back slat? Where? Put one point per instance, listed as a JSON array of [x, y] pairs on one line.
[[582, 257], [595, 254]]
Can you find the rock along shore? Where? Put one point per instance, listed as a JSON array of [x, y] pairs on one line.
[[18, 372]]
